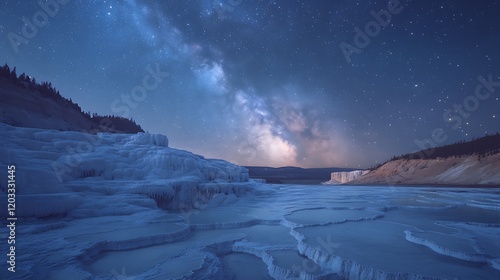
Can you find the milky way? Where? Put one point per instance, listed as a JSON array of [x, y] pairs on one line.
[[306, 83]]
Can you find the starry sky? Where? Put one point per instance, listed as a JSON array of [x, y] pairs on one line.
[[277, 83]]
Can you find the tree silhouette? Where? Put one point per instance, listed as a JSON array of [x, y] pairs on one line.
[[47, 90], [13, 75], [5, 71]]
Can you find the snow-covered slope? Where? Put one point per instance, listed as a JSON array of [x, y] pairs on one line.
[[466, 170], [344, 177], [52, 164]]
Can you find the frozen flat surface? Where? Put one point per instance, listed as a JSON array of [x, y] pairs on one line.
[[130, 207], [404, 233], [334, 216]]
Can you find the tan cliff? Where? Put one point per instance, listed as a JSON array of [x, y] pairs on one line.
[[464, 170]]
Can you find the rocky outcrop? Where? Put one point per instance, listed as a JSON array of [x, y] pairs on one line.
[[465, 170], [344, 177]]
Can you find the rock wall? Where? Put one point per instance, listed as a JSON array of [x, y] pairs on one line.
[[466, 170], [344, 177]]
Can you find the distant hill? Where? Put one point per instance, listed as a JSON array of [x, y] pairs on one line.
[[293, 175], [475, 162], [480, 147], [27, 103]]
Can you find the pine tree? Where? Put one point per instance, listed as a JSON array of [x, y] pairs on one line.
[[5, 71], [13, 74]]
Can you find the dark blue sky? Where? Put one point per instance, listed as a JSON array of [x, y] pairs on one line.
[[306, 83]]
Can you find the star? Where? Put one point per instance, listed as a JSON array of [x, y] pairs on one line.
[[271, 77]]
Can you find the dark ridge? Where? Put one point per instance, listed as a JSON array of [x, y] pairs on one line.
[[96, 123], [120, 124]]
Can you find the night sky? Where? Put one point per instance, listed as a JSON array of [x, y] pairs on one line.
[[272, 83]]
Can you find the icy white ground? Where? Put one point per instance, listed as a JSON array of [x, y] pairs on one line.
[[130, 207]]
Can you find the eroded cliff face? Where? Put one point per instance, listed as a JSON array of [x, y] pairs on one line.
[[466, 170], [344, 177]]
